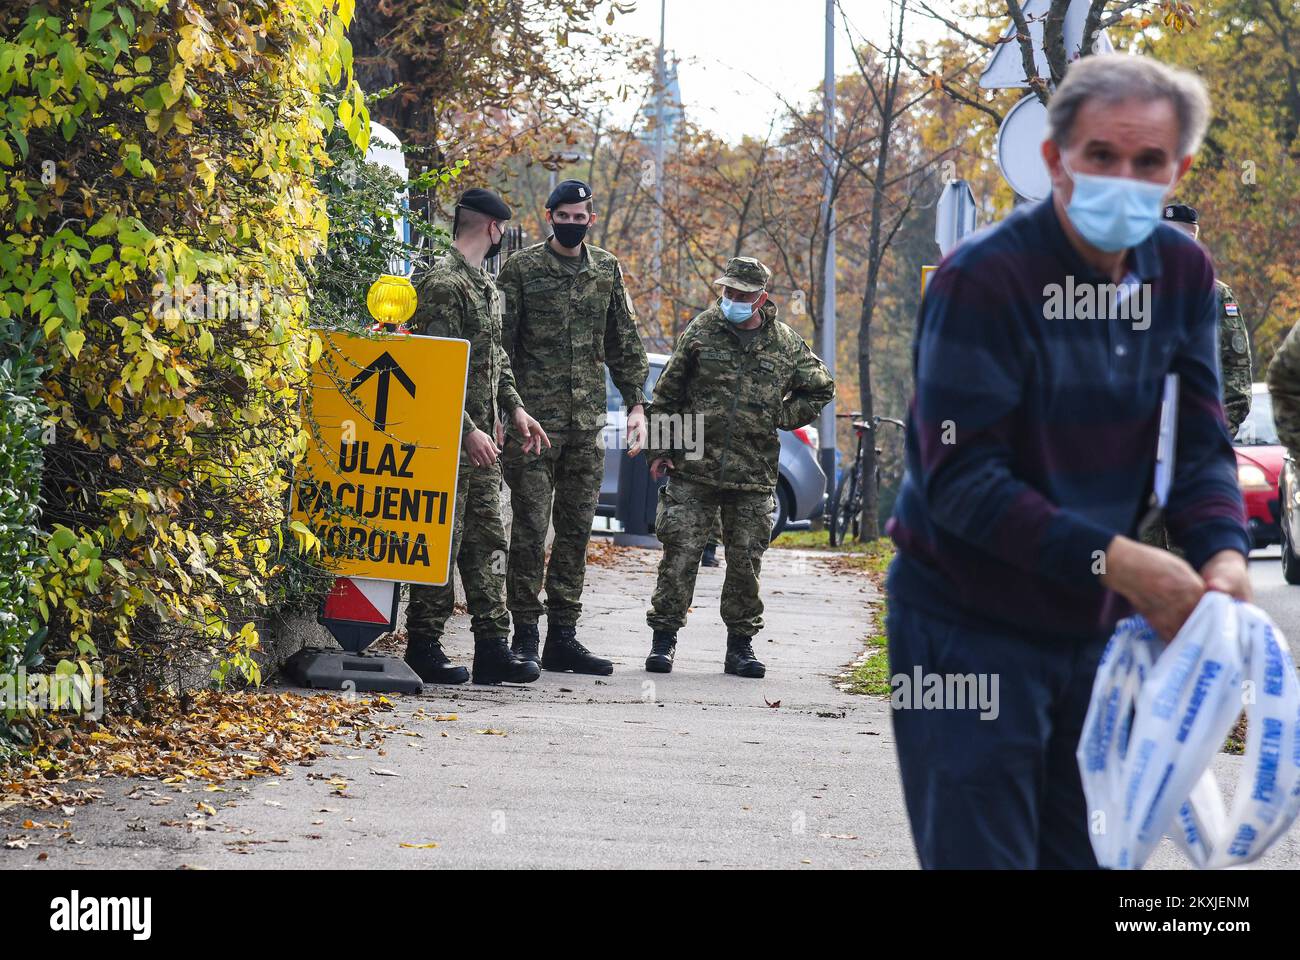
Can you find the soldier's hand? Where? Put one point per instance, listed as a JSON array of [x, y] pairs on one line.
[[481, 449], [636, 430], [660, 467], [1161, 586], [534, 436]]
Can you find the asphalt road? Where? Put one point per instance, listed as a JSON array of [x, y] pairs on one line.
[[1277, 597]]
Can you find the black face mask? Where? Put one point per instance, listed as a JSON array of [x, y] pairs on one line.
[[569, 235], [493, 250]]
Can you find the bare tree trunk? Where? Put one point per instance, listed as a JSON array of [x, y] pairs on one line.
[[869, 527]]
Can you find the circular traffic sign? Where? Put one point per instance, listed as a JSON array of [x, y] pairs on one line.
[[1019, 149]]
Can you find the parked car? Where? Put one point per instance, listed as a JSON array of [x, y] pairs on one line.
[[1287, 509], [800, 488], [1259, 468], [1289, 513]]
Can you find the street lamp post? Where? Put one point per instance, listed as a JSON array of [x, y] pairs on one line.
[[826, 433]]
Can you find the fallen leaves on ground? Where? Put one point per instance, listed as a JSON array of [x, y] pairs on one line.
[[604, 553], [223, 736]]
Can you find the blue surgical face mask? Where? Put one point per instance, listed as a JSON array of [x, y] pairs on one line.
[[1114, 213], [735, 311]]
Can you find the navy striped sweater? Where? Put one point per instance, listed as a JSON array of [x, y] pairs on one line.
[[1032, 432]]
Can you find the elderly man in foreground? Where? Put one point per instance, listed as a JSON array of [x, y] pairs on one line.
[[1031, 464]]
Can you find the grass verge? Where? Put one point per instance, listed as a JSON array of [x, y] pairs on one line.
[[869, 676], [870, 556]]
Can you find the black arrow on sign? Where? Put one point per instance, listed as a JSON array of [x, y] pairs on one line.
[[385, 366]]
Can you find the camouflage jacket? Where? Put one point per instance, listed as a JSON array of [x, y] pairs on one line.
[[740, 396], [560, 330], [1234, 357], [1284, 386], [460, 301]]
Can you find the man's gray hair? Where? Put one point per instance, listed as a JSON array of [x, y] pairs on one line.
[[1118, 77]]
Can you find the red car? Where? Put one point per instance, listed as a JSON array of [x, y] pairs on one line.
[[1259, 468]]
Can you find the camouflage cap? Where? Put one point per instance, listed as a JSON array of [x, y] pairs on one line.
[[744, 273]]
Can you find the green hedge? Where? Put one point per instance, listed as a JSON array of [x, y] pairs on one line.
[[20, 484]]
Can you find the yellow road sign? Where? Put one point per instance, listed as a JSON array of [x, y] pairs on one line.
[[378, 485]]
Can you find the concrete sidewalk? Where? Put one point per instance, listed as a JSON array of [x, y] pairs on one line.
[[634, 770]]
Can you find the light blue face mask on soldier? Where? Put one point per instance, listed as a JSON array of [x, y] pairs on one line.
[[1114, 213], [735, 311]]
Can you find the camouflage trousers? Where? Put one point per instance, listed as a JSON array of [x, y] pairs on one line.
[[683, 521], [559, 486], [478, 551]]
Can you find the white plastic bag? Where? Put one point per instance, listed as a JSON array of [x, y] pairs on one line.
[[1158, 717]]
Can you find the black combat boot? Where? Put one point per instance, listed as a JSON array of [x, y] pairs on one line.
[[662, 649], [494, 663], [526, 641], [564, 652], [710, 557], [425, 657], [740, 658]]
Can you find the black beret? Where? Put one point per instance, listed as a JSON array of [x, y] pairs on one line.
[[568, 191], [484, 201], [1180, 213]]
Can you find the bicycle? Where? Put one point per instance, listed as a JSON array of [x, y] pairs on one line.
[[846, 505]]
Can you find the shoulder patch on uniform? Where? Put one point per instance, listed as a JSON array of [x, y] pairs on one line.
[[1230, 307]]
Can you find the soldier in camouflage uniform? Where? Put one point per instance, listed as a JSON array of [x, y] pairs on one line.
[[1235, 362], [745, 375], [1234, 352], [1284, 387], [457, 298], [1234, 338], [567, 317]]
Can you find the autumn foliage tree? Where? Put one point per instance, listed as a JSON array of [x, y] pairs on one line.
[[1245, 183], [487, 81]]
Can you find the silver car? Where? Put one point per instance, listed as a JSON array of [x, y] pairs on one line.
[[800, 488]]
